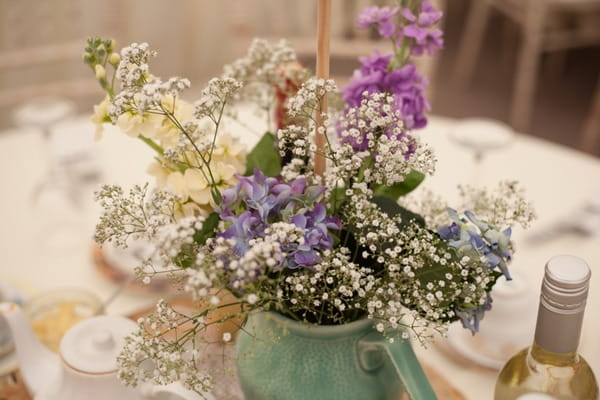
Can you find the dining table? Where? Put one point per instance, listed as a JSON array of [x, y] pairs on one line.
[[49, 215]]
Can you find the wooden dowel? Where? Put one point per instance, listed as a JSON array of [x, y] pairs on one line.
[[323, 28]]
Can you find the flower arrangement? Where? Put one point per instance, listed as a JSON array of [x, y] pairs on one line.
[[321, 247]]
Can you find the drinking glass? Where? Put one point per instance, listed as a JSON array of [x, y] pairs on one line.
[[480, 136], [41, 114]]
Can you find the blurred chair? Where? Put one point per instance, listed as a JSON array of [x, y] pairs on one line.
[[546, 25], [40, 52], [591, 128]]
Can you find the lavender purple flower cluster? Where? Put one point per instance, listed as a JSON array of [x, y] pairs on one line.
[[405, 83], [416, 26], [257, 202], [393, 73]]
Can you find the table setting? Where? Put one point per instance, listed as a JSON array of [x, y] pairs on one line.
[[394, 252]]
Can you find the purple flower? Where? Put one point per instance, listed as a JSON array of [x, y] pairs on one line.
[[429, 14], [419, 28], [380, 16], [405, 83], [258, 201], [257, 190], [315, 224], [244, 227]]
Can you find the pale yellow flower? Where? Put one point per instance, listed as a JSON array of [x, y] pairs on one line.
[[135, 124], [158, 171], [100, 72], [176, 185], [114, 59], [231, 151], [230, 145], [223, 172], [197, 186], [192, 209], [100, 116], [166, 131]]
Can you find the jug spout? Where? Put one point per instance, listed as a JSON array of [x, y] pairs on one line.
[[39, 366]]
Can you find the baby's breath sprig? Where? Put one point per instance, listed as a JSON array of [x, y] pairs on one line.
[[260, 71], [504, 205], [158, 352], [139, 214]]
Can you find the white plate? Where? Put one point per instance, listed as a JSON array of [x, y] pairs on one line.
[[481, 134]]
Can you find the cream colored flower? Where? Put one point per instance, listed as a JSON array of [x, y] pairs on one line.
[[100, 116], [192, 209], [100, 72], [166, 131], [223, 172], [158, 171], [135, 124], [176, 184], [230, 150], [197, 186]]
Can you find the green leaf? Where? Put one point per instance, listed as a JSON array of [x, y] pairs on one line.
[[264, 156], [392, 209], [337, 199], [209, 227], [410, 183]]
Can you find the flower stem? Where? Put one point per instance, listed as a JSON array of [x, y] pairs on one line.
[[153, 145]]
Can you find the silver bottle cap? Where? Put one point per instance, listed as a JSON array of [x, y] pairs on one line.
[[565, 285]]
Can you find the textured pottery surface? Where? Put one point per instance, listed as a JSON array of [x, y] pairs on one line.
[[280, 359]]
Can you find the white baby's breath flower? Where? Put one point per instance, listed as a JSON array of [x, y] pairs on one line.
[[252, 298]]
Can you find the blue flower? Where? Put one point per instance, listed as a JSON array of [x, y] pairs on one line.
[[471, 316], [475, 238]]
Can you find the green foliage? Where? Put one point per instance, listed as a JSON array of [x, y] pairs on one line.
[[394, 192], [209, 228], [264, 156], [337, 200]]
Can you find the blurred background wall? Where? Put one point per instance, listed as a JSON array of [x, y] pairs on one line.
[[481, 72]]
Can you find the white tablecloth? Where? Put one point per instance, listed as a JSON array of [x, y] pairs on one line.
[[48, 246]]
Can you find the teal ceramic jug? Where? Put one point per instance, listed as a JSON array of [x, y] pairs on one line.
[[281, 359]]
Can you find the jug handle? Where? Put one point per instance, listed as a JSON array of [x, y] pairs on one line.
[[375, 351], [171, 391]]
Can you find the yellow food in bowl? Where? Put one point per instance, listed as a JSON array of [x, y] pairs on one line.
[[51, 325]]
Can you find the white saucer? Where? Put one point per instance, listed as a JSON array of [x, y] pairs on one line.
[[474, 349]]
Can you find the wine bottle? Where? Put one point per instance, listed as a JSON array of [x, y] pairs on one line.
[[552, 365]]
